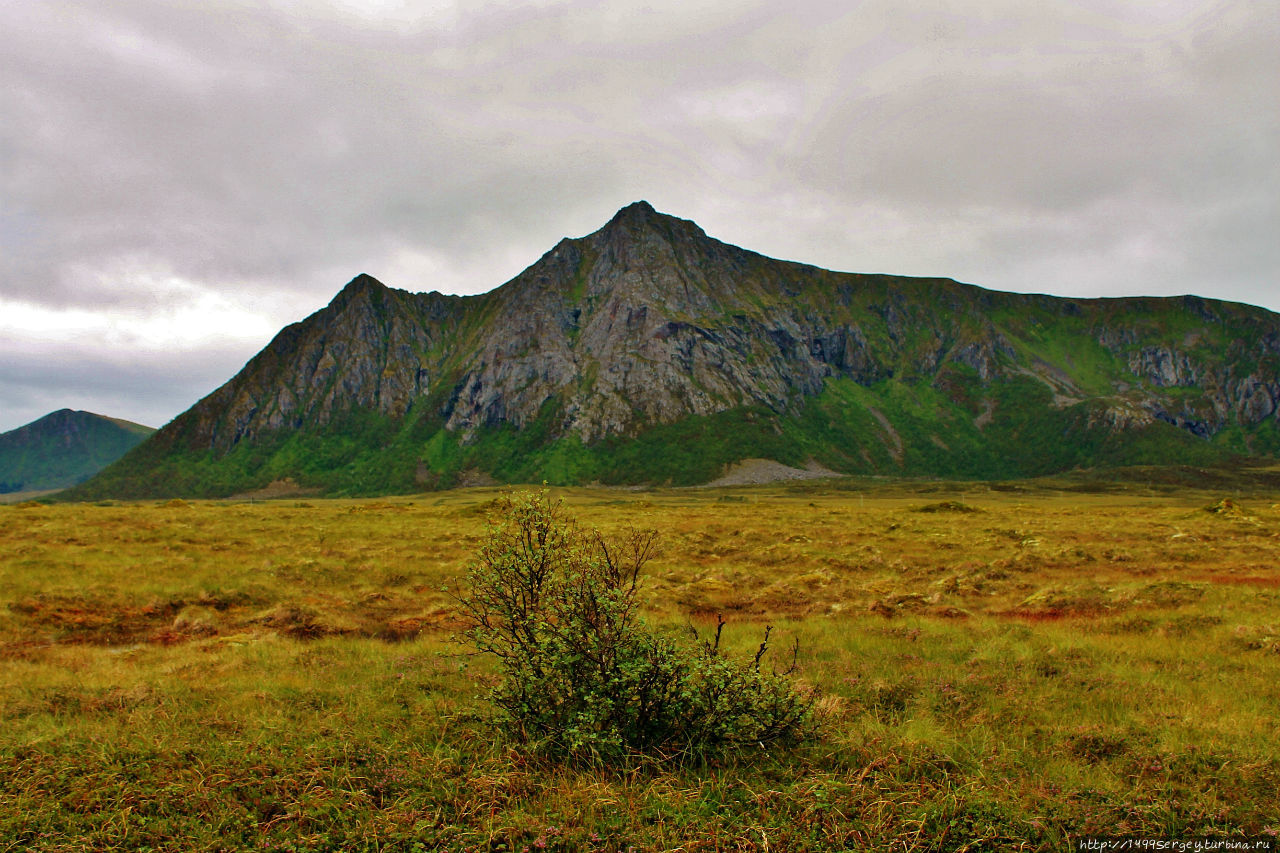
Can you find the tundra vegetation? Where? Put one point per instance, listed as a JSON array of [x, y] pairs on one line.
[[999, 667]]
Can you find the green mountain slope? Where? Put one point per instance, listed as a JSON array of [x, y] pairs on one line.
[[648, 352], [63, 448]]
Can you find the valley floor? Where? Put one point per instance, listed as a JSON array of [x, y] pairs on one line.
[[998, 670]]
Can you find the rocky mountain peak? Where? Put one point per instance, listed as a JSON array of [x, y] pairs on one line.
[[649, 327], [363, 283], [359, 289], [639, 224], [638, 214]]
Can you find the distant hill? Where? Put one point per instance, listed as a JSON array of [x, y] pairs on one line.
[[63, 448], [648, 352]]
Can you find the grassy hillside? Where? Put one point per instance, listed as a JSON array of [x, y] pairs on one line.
[[890, 428], [63, 448], [1000, 670]]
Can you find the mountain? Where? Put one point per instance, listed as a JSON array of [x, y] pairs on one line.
[[63, 448], [648, 352]]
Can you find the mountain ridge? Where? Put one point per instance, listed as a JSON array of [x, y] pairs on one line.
[[593, 360]]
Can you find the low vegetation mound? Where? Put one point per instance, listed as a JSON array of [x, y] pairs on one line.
[[583, 676], [947, 506], [1229, 508]]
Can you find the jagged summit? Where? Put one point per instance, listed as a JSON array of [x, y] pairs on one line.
[[639, 219], [360, 289], [647, 351], [364, 281], [634, 215], [641, 215]]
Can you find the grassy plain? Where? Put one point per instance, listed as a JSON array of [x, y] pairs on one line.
[[999, 670]]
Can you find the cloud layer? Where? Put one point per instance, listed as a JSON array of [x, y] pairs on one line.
[[178, 179]]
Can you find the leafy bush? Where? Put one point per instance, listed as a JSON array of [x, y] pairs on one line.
[[583, 677]]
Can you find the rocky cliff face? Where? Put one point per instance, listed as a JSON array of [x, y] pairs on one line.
[[649, 322], [365, 350], [637, 324]]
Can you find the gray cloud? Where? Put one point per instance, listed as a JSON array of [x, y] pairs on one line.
[[268, 152], [36, 380]]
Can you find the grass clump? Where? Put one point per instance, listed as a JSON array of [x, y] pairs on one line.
[[582, 676], [1228, 508]]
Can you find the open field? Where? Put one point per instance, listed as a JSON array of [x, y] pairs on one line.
[[999, 670]]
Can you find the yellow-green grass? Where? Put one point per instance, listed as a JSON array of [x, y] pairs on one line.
[[282, 675]]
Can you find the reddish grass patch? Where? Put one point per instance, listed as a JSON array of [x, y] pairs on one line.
[[168, 638], [704, 615], [1244, 580], [1038, 616], [22, 650], [81, 620]]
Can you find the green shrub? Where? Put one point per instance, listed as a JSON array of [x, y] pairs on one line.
[[583, 677]]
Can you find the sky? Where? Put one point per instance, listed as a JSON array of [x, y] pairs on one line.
[[179, 179]]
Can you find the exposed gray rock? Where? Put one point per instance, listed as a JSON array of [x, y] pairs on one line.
[[1163, 366], [1255, 399], [649, 320]]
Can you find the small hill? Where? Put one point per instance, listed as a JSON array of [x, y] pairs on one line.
[[63, 448]]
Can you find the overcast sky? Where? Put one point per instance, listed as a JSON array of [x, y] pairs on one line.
[[181, 178]]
